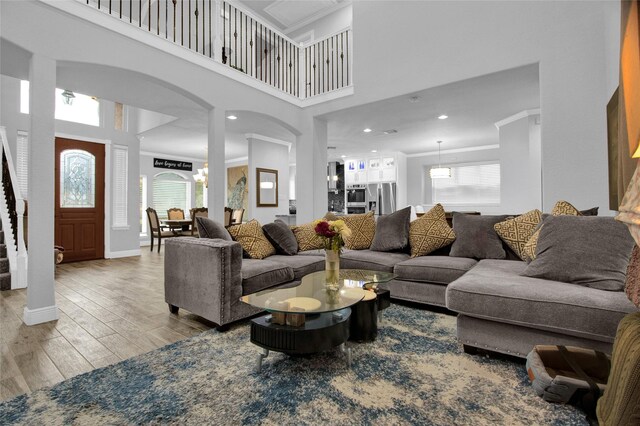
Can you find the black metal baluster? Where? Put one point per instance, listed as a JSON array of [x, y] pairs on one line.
[[347, 57], [166, 18], [130, 11], [210, 44], [253, 59], [182, 22], [235, 37], [149, 16], [224, 34], [174, 20], [307, 72], [109, 7], [140, 14], [342, 59], [158, 18], [120, 9], [196, 15], [189, 19], [279, 59], [204, 20], [270, 59], [229, 18]]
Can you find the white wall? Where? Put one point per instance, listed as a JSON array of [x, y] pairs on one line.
[[120, 241], [520, 184], [326, 26], [268, 155], [417, 45]]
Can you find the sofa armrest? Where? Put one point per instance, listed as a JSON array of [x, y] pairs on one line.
[[204, 277]]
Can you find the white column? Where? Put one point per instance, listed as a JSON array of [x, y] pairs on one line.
[[217, 168], [311, 171], [41, 304]]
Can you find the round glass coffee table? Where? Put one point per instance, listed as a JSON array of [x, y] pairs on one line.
[[313, 316]]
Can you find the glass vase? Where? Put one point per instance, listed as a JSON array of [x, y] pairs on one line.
[[332, 268]]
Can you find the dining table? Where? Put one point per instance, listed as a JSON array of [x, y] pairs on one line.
[[177, 224]]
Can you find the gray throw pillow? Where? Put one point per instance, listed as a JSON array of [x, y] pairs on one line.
[[282, 237], [587, 250], [208, 228], [593, 211], [476, 238], [392, 231]]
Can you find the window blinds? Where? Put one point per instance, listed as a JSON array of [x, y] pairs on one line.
[[472, 184], [170, 190], [120, 179]]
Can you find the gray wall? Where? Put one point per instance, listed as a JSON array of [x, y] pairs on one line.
[[268, 155]]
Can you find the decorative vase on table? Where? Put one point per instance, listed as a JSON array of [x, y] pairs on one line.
[[333, 234]]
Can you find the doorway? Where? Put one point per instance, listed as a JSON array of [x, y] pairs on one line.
[[79, 199]]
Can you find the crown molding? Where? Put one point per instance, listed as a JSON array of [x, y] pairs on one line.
[[456, 150], [236, 160], [516, 117], [268, 139]]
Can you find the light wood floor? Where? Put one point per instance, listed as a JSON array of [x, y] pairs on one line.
[[110, 310]]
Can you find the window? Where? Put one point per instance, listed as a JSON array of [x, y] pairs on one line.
[[143, 205], [171, 190], [77, 179], [84, 109], [471, 184], [120, 180], [22, 163], [201, 195]]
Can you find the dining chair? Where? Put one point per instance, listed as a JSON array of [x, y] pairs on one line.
[[156, 229], [227, 216], [236, 216], [175, 213], [197, 212]]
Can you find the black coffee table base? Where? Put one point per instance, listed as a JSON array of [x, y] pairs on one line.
[[320, 332]]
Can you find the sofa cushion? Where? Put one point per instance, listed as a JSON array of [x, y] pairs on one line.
[[476, 238], [259, 274], [208, 228], [495, 290], [252, 239], [373, 260], [282, 237], [316, 252], [518, 231], [363, 229], [392, 231], [433, 269], [588, 250], [301, 265], [307, 238], [430, 232]]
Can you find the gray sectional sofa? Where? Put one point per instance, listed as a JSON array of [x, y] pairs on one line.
[[498, 309]]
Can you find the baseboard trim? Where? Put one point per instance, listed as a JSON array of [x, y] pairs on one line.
[[40, 315], [123, 253]]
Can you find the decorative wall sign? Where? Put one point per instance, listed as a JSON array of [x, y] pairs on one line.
[[161, 163]]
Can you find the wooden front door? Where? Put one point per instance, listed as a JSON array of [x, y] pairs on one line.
[[79, 199]]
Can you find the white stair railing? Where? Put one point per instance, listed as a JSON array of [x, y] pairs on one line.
[[16, 248]]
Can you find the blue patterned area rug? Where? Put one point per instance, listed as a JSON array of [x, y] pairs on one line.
[[415, 373]]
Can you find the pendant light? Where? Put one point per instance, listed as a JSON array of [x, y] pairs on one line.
[[440, 172]]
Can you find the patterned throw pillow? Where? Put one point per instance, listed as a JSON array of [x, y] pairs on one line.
[[518, 231], [307, 238], [363, 229], [252, 239], [430, 232], [562, 208]]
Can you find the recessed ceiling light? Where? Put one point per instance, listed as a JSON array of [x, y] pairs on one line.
[[343, 156], [232, 117], [443, 117], [374, 150], [367, 130]]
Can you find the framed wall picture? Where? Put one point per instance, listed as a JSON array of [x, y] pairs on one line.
[[267, 185]]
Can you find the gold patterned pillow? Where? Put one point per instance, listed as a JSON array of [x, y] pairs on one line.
[[363, 229], [252, 239], [563, 208], [307, 237], [430, 232], [518, 231]]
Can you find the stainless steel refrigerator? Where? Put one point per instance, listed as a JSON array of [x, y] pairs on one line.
[[381, 198]]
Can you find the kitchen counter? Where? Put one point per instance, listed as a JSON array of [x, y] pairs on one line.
[[289, 219]]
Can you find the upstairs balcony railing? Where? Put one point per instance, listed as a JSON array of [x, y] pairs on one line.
[[234, 37]]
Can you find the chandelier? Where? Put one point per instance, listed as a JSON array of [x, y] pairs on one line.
[[203, 175], [440, 172]]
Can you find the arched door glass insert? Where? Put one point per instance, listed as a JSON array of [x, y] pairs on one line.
[[77, 179]]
